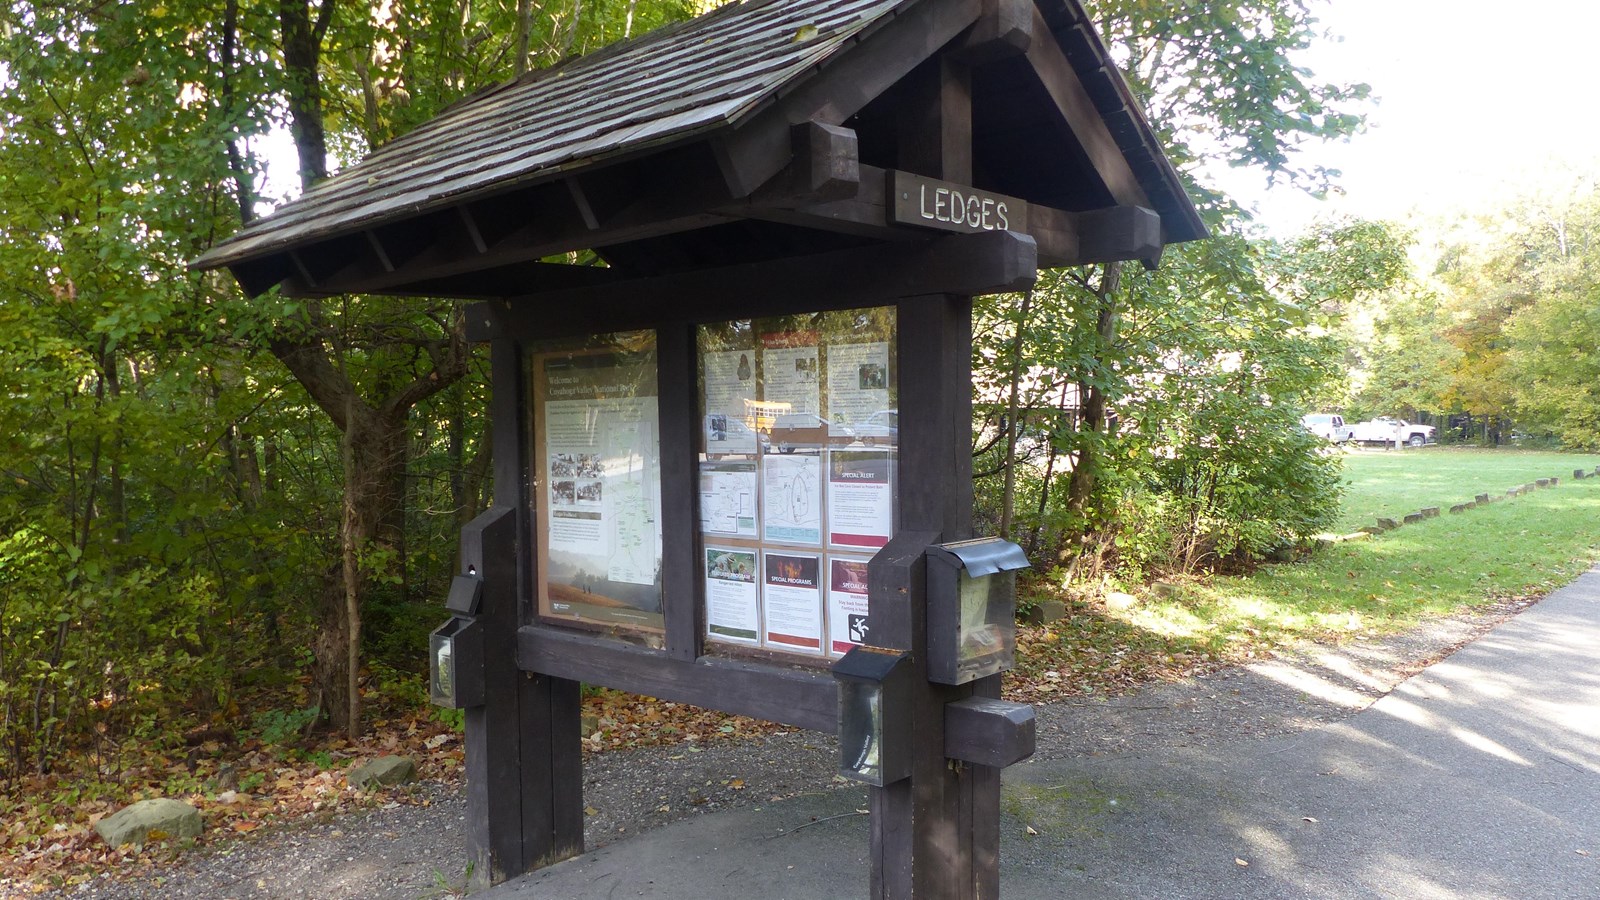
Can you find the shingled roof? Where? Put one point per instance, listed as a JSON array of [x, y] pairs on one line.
[[714, 83]]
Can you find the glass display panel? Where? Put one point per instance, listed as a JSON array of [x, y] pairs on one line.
[[597, 481], [798, 459]]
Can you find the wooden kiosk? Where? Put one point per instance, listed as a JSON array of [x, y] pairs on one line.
[[724, 458]]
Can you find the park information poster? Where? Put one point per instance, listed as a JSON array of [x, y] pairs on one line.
[[858, 380], [789, 371], [728, 497], [860, 498], [733, 598], [600, 469], [792, 601], [730, 382], [847, 603], [792, 498]]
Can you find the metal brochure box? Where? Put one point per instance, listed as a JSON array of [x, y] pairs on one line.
[[972, 609], [874, 715], [455, 664]]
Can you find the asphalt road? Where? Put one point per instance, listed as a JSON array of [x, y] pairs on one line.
[[1477, 778]]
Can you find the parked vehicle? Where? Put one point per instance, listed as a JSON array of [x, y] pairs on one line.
[[726, 434], [1389, 430], [882, 427], [1328, 426], [793, 430]]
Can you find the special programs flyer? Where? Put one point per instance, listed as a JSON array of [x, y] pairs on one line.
[[793, 602]]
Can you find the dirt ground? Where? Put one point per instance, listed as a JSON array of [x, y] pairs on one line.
[[416, 849]]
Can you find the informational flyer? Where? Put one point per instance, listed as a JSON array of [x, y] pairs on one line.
[[792, 602], [858, 381], [789, 371], [792, 498], [728, 497], [730, 382], [599, 461], [733, 598], [860, 498], [847, 603]]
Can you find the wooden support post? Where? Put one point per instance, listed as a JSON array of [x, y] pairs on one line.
[[523, 760], [935, 834]]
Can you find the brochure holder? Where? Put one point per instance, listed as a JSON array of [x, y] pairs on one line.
[[874, 715], [455, 649], [972, 609]]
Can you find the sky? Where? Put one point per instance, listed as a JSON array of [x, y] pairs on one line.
[[1475, 101]]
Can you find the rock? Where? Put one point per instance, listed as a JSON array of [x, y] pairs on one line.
[[1578, 474], [1530, 487], [1429, 512], [1554, 481], [1362, 535], [1388, 524], [384, 770], [1483, 498], [150, 820], [1165, 589], [1115, 600], [1459, 508], [588, 725], [1514, 492], [1047, 611], [1413, 518]]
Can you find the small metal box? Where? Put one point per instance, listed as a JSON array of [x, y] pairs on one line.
[[972, 609], [455, 664], [874, 715]]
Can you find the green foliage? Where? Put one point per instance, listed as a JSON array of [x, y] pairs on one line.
[[279, 727]]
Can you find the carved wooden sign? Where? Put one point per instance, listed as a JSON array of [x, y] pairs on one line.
[[947, 206]]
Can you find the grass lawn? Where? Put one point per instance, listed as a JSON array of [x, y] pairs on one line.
[[1516, 548], [1392, 483]]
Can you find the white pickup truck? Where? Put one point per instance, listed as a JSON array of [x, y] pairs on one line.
[[1389, 430]]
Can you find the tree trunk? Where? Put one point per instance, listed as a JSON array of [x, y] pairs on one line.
[[1008, 498], [1091, 393]]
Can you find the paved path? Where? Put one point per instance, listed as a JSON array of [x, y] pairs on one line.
[[1478, 778]]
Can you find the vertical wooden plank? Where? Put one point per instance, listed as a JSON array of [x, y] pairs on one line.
[[496, 738], [935, 121], [937, 812], [935, 377], [679, 405], [523, 759]]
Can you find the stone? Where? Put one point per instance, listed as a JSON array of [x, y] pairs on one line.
[[1578, 474], [1115, 600], [1459, 508], [1413, 518], [1165, 589], [1554, 481], [385, 770], [1388, 524], [1530, 487], [1514, 492], [150, 820], [1429, 512], [1483, 498], [1047, 611]]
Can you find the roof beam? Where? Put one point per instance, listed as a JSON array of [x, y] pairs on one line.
[[1005, 29], [760, 148], [1073, 103], [972, 264]]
